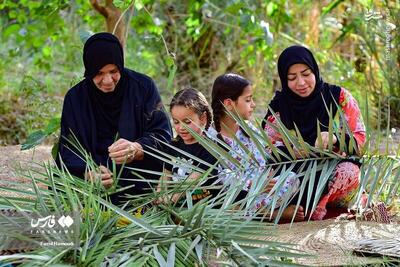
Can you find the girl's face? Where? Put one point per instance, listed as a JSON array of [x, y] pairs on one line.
[[301, 80], [183, 115], [244, 105]]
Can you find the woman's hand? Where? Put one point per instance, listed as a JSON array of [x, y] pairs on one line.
[[124, 151], [323, 140], [161, 200], [103, 174]]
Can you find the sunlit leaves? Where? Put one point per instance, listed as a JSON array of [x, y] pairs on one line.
[[38, 136], [143, 23], [271, 8], [29, 20], [12, 29]]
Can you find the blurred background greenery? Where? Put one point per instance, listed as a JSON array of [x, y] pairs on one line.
[[189, 43]]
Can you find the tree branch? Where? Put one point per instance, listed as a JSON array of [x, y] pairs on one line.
[[101, 9]]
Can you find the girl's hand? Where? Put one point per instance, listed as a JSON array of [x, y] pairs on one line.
[[269, 186], [166, 199], [161, 200], [124, 151], [103, 174], [175, 197], [323, 140]]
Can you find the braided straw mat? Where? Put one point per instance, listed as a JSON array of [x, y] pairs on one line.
[[332, 243]]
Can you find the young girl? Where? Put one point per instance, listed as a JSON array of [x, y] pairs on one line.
[[233, 93], [188, 108]]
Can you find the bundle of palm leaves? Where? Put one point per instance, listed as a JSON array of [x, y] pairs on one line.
[[203, 233]]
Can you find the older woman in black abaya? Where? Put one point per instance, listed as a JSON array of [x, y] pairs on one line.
[[115, 113], [304, 101]]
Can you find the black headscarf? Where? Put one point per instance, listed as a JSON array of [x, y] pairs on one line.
[[99, 50], [304, 112]]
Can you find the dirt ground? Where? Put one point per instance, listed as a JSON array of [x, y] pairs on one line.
[[12, 159]]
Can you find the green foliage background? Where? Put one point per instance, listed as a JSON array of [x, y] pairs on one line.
[[182, 43]]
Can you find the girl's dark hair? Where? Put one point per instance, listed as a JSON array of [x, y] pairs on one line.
[[194, 100], [228, 85]]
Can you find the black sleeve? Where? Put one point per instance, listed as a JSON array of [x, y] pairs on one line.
[[66, 152], [157, 126], [207, 157]]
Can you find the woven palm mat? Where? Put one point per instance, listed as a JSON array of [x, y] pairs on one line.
[[14, 164], [332, 243]]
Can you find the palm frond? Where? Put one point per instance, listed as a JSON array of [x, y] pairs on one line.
[[204, 228]]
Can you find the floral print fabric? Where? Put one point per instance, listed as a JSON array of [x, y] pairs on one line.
[[341, 189], [253, 166]]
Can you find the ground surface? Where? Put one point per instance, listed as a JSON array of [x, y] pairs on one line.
[[12, 159]]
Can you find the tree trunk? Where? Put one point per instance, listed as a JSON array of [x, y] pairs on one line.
[[114, 22], [313, 33]]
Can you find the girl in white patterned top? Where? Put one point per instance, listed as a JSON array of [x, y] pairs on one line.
[[233, 93]]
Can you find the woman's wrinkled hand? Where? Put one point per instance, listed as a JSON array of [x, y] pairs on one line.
[[103, 175], [124, 151]]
